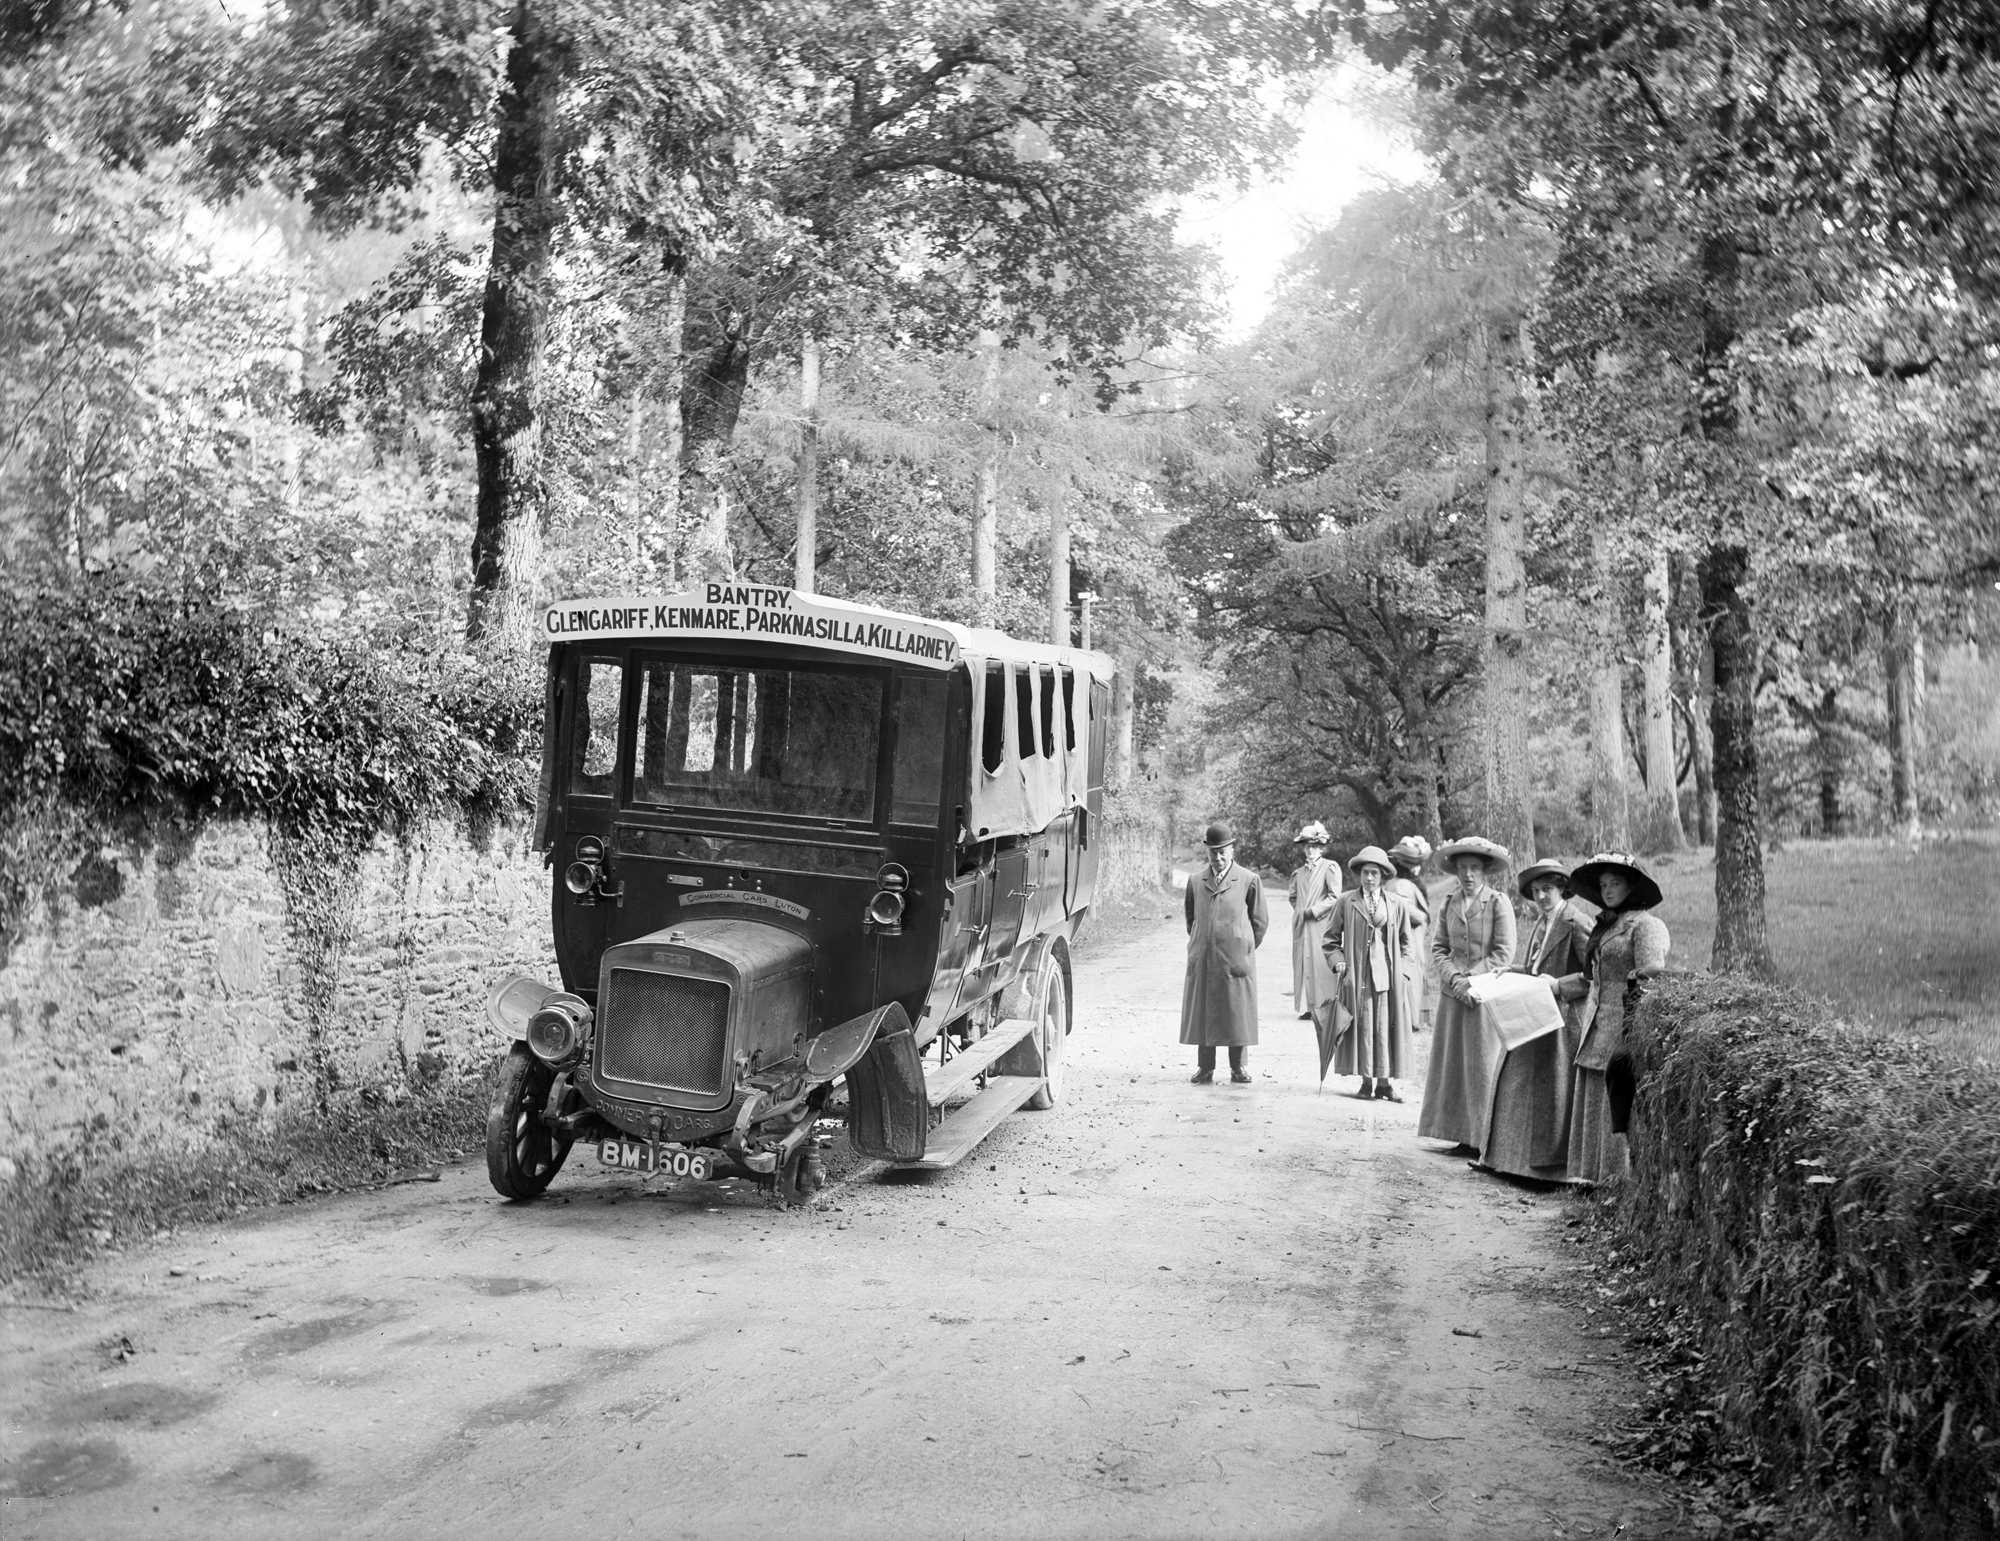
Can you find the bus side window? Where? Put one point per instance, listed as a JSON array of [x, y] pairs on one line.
[[1045, 680], [919, 767], [992, 724], [594, 729], [1024, 702], [1069, 710]]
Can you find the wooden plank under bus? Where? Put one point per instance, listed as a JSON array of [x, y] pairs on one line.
[[971, 1122], [941, 1081]]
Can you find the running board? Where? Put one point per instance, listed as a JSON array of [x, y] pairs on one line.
[[971, 1122], [941, 1081]]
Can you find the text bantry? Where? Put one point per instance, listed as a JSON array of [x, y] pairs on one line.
[[752, 612]]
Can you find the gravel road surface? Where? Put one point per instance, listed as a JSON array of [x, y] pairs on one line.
[[1159, 1310]]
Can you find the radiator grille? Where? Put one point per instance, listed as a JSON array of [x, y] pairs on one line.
[[666, 1031]]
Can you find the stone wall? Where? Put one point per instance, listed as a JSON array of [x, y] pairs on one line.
[[160, 994]]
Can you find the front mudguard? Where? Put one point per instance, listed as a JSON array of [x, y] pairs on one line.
[[888, 1110]]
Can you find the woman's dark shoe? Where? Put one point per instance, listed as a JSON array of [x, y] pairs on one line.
[[1240, 1077], [1384, 1092], [1203, 1078], [1367, 1090]]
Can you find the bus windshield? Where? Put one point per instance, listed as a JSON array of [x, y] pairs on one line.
[[763, 740]]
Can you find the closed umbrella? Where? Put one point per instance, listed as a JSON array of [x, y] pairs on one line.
[[1328, 1024]]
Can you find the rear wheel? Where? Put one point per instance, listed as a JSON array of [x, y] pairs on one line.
[[1050, 1034], [523, 1154]]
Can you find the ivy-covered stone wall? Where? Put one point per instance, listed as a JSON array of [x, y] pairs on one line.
[[158, 996]]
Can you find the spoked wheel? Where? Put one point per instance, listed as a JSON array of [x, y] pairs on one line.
[[804, 1175], [1054, 1028], [522, 1154]]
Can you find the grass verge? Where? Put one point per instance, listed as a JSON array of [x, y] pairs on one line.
[[1902, 938], [55, 1212], [1810, 1246]]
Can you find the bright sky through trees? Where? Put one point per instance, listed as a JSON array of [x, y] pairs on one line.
[[1346, 146]]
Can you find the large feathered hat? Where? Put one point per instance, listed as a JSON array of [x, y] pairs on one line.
[[1410, 851], [1314, 832], [1645, 891], [1474, 845]]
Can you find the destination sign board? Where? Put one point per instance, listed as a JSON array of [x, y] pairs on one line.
[[753, 613]]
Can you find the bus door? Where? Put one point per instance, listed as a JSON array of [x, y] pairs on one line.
[[1016, 875]]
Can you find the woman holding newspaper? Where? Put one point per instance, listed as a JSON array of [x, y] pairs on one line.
[[1473, 935]]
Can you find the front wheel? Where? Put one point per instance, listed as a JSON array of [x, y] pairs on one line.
[[1051, 1033], [523, 1154]]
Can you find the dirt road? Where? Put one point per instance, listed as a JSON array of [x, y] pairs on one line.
[[1158, 1310]]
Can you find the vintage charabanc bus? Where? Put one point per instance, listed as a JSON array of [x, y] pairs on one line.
[[795, 843]]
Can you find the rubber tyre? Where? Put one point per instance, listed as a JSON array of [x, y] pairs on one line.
[[522, 1157], [1051, 1036]]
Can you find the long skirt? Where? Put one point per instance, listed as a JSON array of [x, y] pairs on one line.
[[1458, 1089], [1529, 1135], [1595, 1153], [1374, 1044]]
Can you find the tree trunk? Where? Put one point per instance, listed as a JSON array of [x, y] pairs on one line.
[[986, 513], [1742, 942], [712, 398], [1121, 728], [507, 389], [657, 512], [1694, 686], [1660, 815], [805, 557], [1832, 762], [1742, 945], [1059, 572], [1899, 669], [1610, 822], [1510, 813]]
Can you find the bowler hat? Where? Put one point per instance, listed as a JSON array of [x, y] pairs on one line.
[[1645, 891], [1533, 873], [1371, 856], [1221, 832], [1474, 845]]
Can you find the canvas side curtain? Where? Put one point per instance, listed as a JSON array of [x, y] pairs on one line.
[[1030, 750]]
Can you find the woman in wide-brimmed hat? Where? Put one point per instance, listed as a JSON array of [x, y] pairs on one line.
[[1474, 934], [1627, 945], [1529, 1131], [1372, 944], [1226, 921], [1315, 885], [1408, 856]]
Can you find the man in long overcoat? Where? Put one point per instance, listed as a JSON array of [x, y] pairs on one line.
[[1226, 921]]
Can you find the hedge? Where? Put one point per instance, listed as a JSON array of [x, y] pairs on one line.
[[138, 708], [1818, 1209]]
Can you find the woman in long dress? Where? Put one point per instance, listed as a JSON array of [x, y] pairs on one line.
[[1474, 934], [1371, 944], [1408, 856], [1627, 945], [1529, 1134], [1315, 885]]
